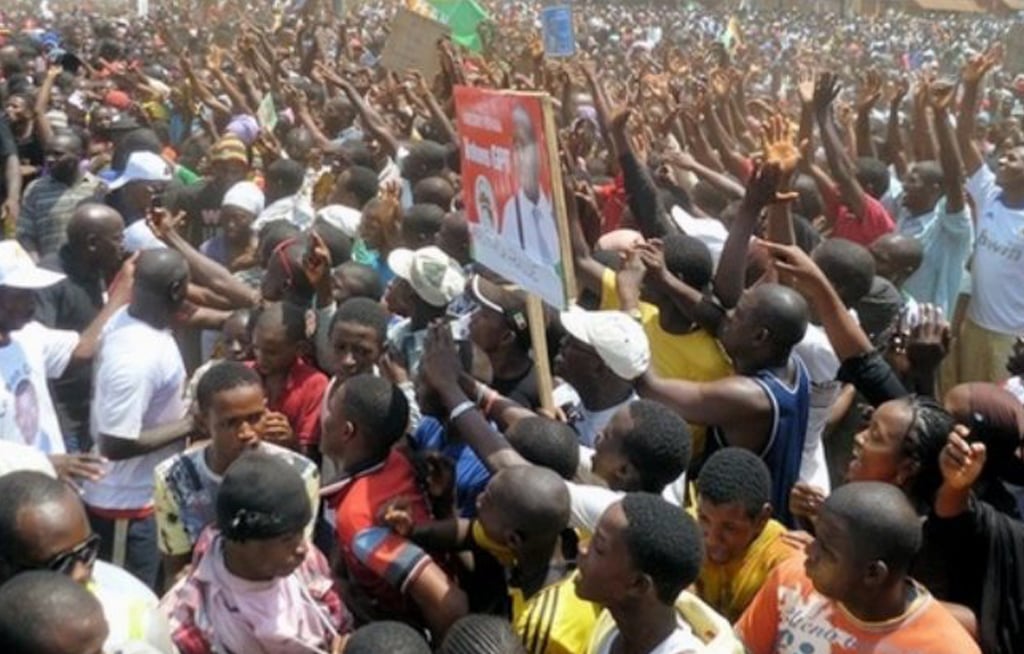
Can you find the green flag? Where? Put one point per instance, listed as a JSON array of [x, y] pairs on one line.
[[463, 17]]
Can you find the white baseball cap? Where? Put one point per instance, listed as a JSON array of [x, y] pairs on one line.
[[619, 340], [143, 167], [17, 270], [437, 278]]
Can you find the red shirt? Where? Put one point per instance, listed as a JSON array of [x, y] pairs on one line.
[[301, 400], [845, 224], [378, 563]]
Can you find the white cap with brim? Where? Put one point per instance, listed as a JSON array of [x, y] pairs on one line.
[[17, 270], [143, 167], [617, 338], [435, 277]]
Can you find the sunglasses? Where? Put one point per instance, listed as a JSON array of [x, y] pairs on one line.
[[85, 553]]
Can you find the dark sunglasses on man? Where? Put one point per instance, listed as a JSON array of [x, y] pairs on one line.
[[85, 553]]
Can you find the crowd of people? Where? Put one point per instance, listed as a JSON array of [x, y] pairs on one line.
[[257, 396]]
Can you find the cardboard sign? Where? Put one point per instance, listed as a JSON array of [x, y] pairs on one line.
[[412, 44], [559, 39], [266, 114], [512, 188]]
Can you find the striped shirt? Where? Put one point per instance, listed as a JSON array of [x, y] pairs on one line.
[[46, 210]]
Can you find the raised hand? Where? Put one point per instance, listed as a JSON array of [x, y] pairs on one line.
[[778, 145], [805, 86], [929, 340], [896, 90], [870, 90], [941, 94], [826, 90], [795, 267], [440, 365], [975, 69], [763, 187], [961, 462], [163, 223]]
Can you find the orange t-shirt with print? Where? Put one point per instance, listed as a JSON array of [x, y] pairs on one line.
[[787, 616]]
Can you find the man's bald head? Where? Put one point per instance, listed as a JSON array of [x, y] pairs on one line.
[[782, 311], [879, 520], [161, 281], [533, 499], [92, 219], [896, 256]]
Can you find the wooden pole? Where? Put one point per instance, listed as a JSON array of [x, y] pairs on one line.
[[539, 341]]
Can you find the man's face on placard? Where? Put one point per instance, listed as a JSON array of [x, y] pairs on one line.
[[526, 152]]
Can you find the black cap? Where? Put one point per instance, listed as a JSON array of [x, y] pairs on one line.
[[262, 497]]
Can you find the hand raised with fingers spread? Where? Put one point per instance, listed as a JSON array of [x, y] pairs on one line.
[[805, 86], [826, 90], [777, 145], [870, 90]]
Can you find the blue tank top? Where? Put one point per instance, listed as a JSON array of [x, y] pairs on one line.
[[785, 446]]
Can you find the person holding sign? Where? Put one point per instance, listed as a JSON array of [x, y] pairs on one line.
[[528, 219]]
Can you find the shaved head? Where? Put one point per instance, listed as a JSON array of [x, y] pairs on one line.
[[782, 311], [896, 256], [879, 520], [91, 219], [534, 500], [161, 282]]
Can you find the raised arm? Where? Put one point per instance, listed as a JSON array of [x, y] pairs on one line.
[[949, 153], [971, 76], [440, 367], [589, 271], [732, 267], [641, 193], [43, 126], [868, 94], [893, 133], [850, 190]]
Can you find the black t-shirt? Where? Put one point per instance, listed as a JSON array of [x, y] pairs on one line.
[[8, 146], [521, 389], [72, 303], [201, 204]]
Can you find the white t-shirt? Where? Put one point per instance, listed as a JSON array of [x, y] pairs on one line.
[[138, 383], [138, 237], [708, 230], [36, 353], [680, 641], [587, 503], [997, 270], [132, 612], [674, 493], [822, 365]]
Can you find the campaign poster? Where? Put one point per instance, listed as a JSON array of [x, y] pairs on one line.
[[512, 189], [556, 24]]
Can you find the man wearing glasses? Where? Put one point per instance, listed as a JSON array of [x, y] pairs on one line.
[[43, 526]]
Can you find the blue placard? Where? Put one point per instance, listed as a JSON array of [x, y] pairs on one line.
[[559, 39]]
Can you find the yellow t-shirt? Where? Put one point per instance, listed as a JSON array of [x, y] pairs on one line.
[[555, 620], [730, 588], [695, 357]]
